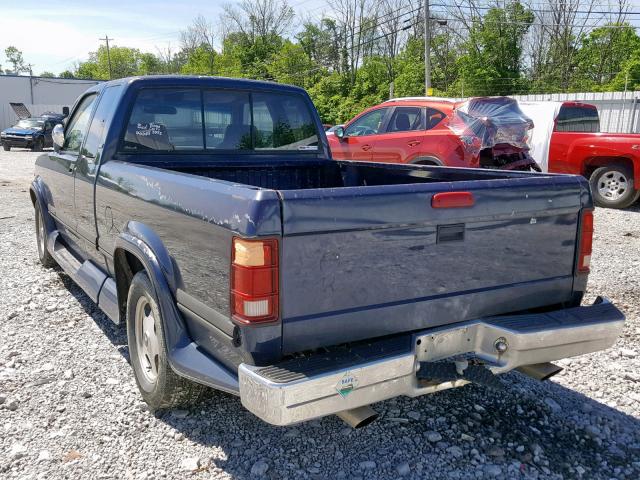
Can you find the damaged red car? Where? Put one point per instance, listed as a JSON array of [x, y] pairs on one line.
[[483, 132]]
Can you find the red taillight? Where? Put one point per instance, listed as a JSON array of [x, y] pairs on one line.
[[254, 280], [586, 241], [452, 200]]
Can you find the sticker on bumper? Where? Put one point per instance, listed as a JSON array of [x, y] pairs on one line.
[[347, 384]]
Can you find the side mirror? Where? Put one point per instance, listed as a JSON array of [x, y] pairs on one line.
[[339, 132], [65, 111], [58, 137]]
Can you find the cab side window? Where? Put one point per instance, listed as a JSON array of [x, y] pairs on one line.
[[77, 128], [368, 124], [406, 119]]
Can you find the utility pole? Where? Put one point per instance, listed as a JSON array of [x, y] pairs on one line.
[[427, 48], [106, 39], [30, 67]]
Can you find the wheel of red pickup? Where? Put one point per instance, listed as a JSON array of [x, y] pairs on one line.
[[612, 186], [159, 385]]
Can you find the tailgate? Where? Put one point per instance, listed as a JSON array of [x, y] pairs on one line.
[[363, 262]]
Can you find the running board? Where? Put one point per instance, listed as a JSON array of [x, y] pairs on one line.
[[91, 279]]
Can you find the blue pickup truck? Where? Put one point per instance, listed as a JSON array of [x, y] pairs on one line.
[[207, 215]]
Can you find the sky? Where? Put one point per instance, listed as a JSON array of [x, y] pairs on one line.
[[54, 35]]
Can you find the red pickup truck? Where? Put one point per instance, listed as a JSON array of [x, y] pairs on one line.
[[567, 139], [484, 132]]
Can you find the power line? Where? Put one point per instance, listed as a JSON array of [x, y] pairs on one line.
[[586, 12], [543, 24]]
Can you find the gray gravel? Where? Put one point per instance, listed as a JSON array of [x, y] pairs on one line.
[[69, 407]]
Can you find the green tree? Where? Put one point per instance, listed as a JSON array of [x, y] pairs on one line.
[[47, 75], [603, 55], [330, 96], [629, 76], [149, 64], [293, 66], [125, 62], [248, 56], [492, 62], [321, 43], [371, 84], [200, 61], [410, 67], [15, 58], [67, 74]]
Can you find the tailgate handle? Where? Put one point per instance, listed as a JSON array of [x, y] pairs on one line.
[[450, 233], [452, 200]]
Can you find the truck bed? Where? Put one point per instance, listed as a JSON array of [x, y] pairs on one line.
[[364, 254]]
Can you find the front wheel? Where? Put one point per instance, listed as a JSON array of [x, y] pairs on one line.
[[159, 385], [613, 187], [6, 148]]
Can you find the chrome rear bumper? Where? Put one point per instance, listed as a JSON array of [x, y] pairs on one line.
[[282, 395]]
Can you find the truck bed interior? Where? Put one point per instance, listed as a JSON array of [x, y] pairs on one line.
[[335, 174]]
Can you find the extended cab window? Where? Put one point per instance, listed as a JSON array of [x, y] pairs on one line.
[[165, 120], [576, 118], [368, 124], [405, 119]]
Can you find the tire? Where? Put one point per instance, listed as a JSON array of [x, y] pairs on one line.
[[6, 148], [613, 186], [38, 146], [159, 385], [41, 239]]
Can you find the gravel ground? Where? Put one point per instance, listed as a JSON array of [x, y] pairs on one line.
[[70, 407]]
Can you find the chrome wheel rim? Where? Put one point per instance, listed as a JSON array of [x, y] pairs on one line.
[[147, 341], [613, 185], [40, 234]]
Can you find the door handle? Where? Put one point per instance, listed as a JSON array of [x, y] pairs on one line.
[[413, 143], [366, 147], [72, 166]]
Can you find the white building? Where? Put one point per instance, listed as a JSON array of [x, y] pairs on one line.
[[39, 94]]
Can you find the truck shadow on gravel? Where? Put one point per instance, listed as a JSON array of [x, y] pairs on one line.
[[527, 430]]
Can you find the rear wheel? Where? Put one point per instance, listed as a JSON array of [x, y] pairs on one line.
[[41, 238], [6, 148], [612, 186], [159, 385]]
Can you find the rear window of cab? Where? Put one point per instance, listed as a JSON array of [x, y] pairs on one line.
[[193, 120]]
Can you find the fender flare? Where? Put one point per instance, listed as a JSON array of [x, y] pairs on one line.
[[36, 192], [153, 258], [183, 355]]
